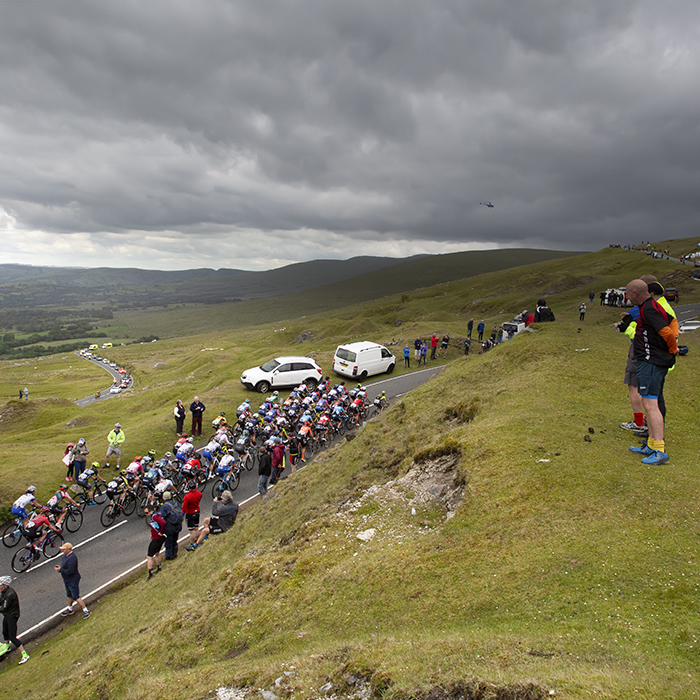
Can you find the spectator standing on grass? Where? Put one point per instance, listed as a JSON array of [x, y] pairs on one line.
[[190, 507], [433, 345], [470, 328], [197, 409], [180, 414], [467, 345], [591, 297], [480, 329], [406, 357], [68, 568], [21, 394], [171, 512], [264, 471], [79, 455], [416, 349], [423, 353], [443, 345], [116, 440], [655, 350], [26, 393], [68, 461], [582, 311], [223, 515], [154, 558], [9, 607]]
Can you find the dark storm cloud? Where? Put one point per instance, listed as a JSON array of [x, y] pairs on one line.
[[231, 128]]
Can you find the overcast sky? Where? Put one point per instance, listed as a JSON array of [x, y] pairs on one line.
[[211, 133]]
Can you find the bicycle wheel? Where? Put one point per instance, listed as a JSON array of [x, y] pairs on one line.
[[217, 488], [52, 545], [100, 494], [129, 504], [22, 560], [250, 460], [109, 515], [74, 520], [12, 535], [341, 428], [81, 500], [235, 480], [141, 504]]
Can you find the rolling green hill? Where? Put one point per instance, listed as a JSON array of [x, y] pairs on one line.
[[510, 558]]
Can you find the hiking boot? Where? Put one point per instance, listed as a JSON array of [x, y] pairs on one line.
[[656, 457], [646, 450], [630, 425]]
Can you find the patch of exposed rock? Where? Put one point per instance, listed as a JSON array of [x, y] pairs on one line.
[[427, 482]]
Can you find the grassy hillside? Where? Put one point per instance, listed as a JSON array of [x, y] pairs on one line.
[[210, 364], [536, 561]]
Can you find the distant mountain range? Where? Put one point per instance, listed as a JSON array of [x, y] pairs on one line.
[[27, 286]]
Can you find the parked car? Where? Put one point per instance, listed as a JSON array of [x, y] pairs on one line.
[[688, 326], [363, 359], [282, 372], [671, 294]]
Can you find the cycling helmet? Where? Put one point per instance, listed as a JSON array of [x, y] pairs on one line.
[[189, 439], [31, 489], [152, 453], [222, 413], [95, 465], [123, 472], [168, 455], [63, 487], [138, 458], [183, 435]]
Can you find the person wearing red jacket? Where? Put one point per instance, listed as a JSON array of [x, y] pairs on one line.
[[190, 507], [433, 345]]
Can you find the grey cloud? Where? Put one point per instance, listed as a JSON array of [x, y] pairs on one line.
[[383, 121]]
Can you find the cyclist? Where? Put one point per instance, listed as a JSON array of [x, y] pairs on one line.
[[118, 487], [38, 528], [54, 503], [219, 421], [88, 479], [19, 507], [209, 452], [382, 399], [304, 436], [186, 450], [243, 408]]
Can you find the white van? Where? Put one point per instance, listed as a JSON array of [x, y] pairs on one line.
[[360, 360]]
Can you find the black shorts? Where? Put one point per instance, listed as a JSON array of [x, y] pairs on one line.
[[214, 528], [192, 520], [154, 547]]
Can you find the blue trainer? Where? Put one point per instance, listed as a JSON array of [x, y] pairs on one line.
[[656, 458], [646, 450]]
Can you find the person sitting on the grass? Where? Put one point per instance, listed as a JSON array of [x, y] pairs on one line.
[[223, 515]]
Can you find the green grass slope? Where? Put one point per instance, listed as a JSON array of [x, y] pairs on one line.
[[536, 561], [567, 566], [210, 364]]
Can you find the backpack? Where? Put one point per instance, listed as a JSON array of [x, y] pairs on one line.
[[176, 516]]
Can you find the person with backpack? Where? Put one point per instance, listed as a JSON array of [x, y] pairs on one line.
[[172, 514]]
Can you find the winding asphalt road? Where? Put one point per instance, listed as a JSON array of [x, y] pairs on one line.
[[105, 394], [108, 555]]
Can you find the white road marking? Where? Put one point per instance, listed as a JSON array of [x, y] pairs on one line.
[[89, 539]]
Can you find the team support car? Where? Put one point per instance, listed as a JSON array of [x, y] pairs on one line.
[[689, 326], [282, 372]]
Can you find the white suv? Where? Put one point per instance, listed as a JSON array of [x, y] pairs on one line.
[[282, 372]]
